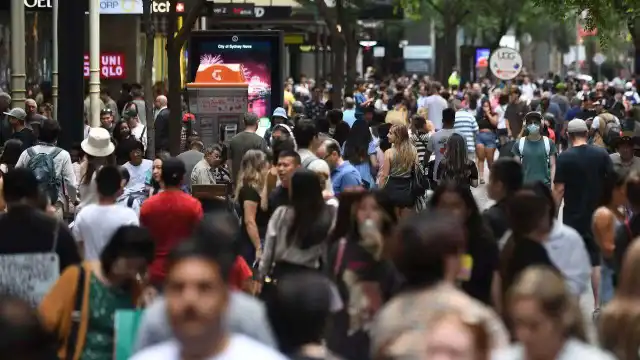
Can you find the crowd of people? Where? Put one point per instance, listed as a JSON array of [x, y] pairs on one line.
[[339, 232]]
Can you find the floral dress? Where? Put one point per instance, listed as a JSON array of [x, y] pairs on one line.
[[103, 303]]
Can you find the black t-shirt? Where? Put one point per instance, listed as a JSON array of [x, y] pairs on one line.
[[585, 114], [484, 122], [496, 218], [26, 230], [583, 170], [27, 137], [515, 115], [486, 258], [465, 176], [278, 197], [525, 253], [248, 193]]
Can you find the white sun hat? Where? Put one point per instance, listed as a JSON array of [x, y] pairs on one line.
[[98, 143]]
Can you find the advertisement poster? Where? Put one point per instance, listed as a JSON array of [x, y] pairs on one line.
[[259, 52]]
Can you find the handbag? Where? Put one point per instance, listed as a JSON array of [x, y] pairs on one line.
[[126, 324], [76, 315], [419, 182]]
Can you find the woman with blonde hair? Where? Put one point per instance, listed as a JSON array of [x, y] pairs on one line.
[[399, 163], [618, 329], [546, 320], [250, 183]]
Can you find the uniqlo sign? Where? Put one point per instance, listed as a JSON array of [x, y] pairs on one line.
[[111, 66]]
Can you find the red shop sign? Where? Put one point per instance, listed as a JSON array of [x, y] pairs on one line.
[[111, 66]]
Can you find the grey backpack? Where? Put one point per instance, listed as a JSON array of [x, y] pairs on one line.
[[43, 167]]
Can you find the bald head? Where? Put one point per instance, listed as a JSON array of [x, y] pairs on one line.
[[161, 102], [30, 106], [5, 101]]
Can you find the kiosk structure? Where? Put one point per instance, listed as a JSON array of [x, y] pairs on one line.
[[218, 98]]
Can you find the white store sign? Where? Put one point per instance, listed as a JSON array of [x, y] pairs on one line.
[[505, 63]]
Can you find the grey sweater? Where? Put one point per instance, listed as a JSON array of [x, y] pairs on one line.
[[246, 315]]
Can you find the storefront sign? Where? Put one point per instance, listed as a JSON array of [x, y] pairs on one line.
[[111, 66], [40, 4], [113, 7], [273, 12]]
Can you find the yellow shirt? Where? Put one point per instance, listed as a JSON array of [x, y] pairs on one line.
[[289, 99]]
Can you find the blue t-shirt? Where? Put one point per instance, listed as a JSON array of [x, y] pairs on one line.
[[359, 98], [344, 177]]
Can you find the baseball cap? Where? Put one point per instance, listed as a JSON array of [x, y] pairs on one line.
[[173, 171], [17, 113], [131, 113], [106, 111], [577, 126], [280, 112]]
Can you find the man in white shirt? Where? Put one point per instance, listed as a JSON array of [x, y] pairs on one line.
[[139, 168], [48, 137], [96, 223], [306, 135], [197, 299], [527, 88], [435, 104]]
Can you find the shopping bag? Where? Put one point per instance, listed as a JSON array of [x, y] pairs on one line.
[[126, 324]]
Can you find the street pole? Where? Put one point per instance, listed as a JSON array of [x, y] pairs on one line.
[[18, 72], [54, 86], [94, 62]]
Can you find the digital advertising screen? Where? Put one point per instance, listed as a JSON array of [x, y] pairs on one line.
[[482, 57], [259, 52]]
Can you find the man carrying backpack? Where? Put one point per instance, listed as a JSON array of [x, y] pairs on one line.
[[536, 152], [605, 129], [52, 167]]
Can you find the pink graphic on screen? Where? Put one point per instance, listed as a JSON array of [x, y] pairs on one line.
[[257, 75]]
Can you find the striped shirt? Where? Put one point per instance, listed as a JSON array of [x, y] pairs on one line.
[[467, 126], [420, 141]]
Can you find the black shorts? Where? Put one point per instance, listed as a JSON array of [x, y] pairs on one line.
[[593, 249]]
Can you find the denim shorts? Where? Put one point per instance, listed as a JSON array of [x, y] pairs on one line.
[[487, 139]]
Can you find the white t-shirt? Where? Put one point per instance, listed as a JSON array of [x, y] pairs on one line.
[[95, 225], [500, 110], [437, 145], [240, 347], [138, 175], [140, 133]]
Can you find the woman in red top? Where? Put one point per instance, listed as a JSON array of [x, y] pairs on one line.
[[549, 123]]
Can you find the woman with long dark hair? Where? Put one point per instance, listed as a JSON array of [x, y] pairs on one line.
[[486, 139], [297, 233], [456, 166], [480, 277], [360, 264], [360, 149], [10, 154]]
